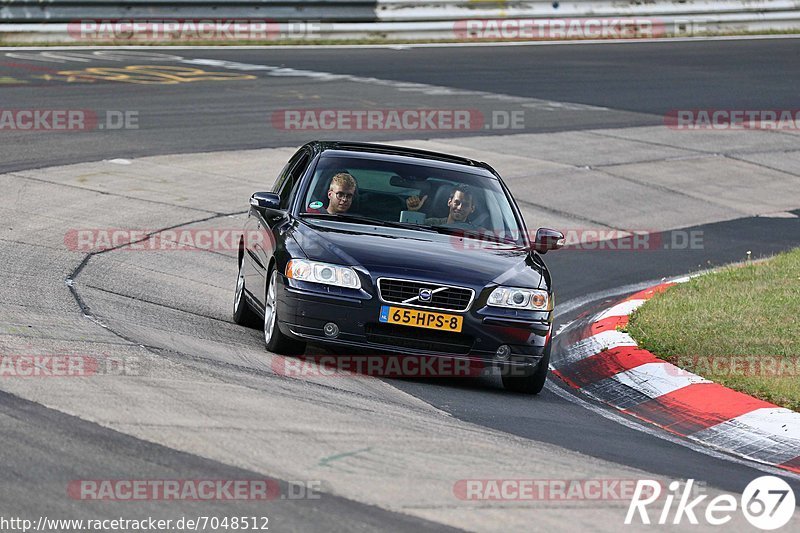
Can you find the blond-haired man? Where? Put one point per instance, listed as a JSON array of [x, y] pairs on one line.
[[341, 193]]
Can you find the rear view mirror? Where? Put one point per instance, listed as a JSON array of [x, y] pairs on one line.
[[548, 239], [412, 217]]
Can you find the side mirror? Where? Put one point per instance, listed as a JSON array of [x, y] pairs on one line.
[[548, 239], [268, 200]]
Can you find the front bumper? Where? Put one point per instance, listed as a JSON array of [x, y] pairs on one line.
[[306, 308]]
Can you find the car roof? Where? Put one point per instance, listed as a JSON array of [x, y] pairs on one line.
[[399, 153]]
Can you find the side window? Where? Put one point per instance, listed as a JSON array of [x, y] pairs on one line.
[[284, 173], [294, 174], [288, 176]]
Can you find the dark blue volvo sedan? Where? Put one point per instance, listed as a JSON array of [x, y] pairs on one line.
[[396, 250]]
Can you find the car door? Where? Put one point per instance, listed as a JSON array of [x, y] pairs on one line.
[[264, 228]]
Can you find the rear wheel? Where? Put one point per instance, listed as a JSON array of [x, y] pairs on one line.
[[274, 339], [532, 383], [242, 313]]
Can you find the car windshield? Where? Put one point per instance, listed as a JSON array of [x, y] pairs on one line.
[[411, 195]]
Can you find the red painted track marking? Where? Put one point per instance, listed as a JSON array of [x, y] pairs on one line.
[[696, 407], [605, 364]]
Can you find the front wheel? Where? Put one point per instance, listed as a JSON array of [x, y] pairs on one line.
[[533, 383], [274, 338], [242, 313]]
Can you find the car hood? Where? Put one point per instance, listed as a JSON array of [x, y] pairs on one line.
[[396, 252]]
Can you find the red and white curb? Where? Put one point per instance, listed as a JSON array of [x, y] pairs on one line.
[[607, 365]]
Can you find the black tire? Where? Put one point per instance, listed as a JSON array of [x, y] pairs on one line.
[[274, 339], [532, 383], [242, 313]]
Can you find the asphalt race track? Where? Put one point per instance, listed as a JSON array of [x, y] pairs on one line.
[[204, 401]]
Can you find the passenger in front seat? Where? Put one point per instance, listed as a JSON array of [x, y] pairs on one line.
[[461, 204]]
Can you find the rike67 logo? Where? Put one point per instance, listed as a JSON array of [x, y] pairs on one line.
[[768, 503]]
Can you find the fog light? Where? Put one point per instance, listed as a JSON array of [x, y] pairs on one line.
[[503, 352], [331, 330]]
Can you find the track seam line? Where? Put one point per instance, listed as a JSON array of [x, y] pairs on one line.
[[69, 281], [663, 188], [178, 357], [762, 165], [565, 214], [103, 193], [600, 133], [157, 304]]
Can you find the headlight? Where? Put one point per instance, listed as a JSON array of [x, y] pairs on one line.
[[325, 273], [518, 298]]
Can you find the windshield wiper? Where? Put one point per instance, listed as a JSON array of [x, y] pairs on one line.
[[482, 235], [361, 219]]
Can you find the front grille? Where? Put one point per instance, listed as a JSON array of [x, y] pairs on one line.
[[406, 292], [418, 338]]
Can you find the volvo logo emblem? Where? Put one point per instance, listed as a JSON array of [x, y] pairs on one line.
[[425, 295]]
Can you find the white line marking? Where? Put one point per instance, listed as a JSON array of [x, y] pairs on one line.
[[657, 379], [577, 303], [605, 340], [621, 309], [777, 420], [424, 88], [583, 42], [563, 327], [779, 214], [770, 434]]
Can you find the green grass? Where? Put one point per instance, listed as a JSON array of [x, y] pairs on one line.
[[739, 327]]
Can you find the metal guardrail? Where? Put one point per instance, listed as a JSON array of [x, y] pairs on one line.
[[278, 10], [407, 10], [36, 20]]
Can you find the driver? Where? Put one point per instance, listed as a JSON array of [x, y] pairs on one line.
[[340, 195], [461, 204]]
